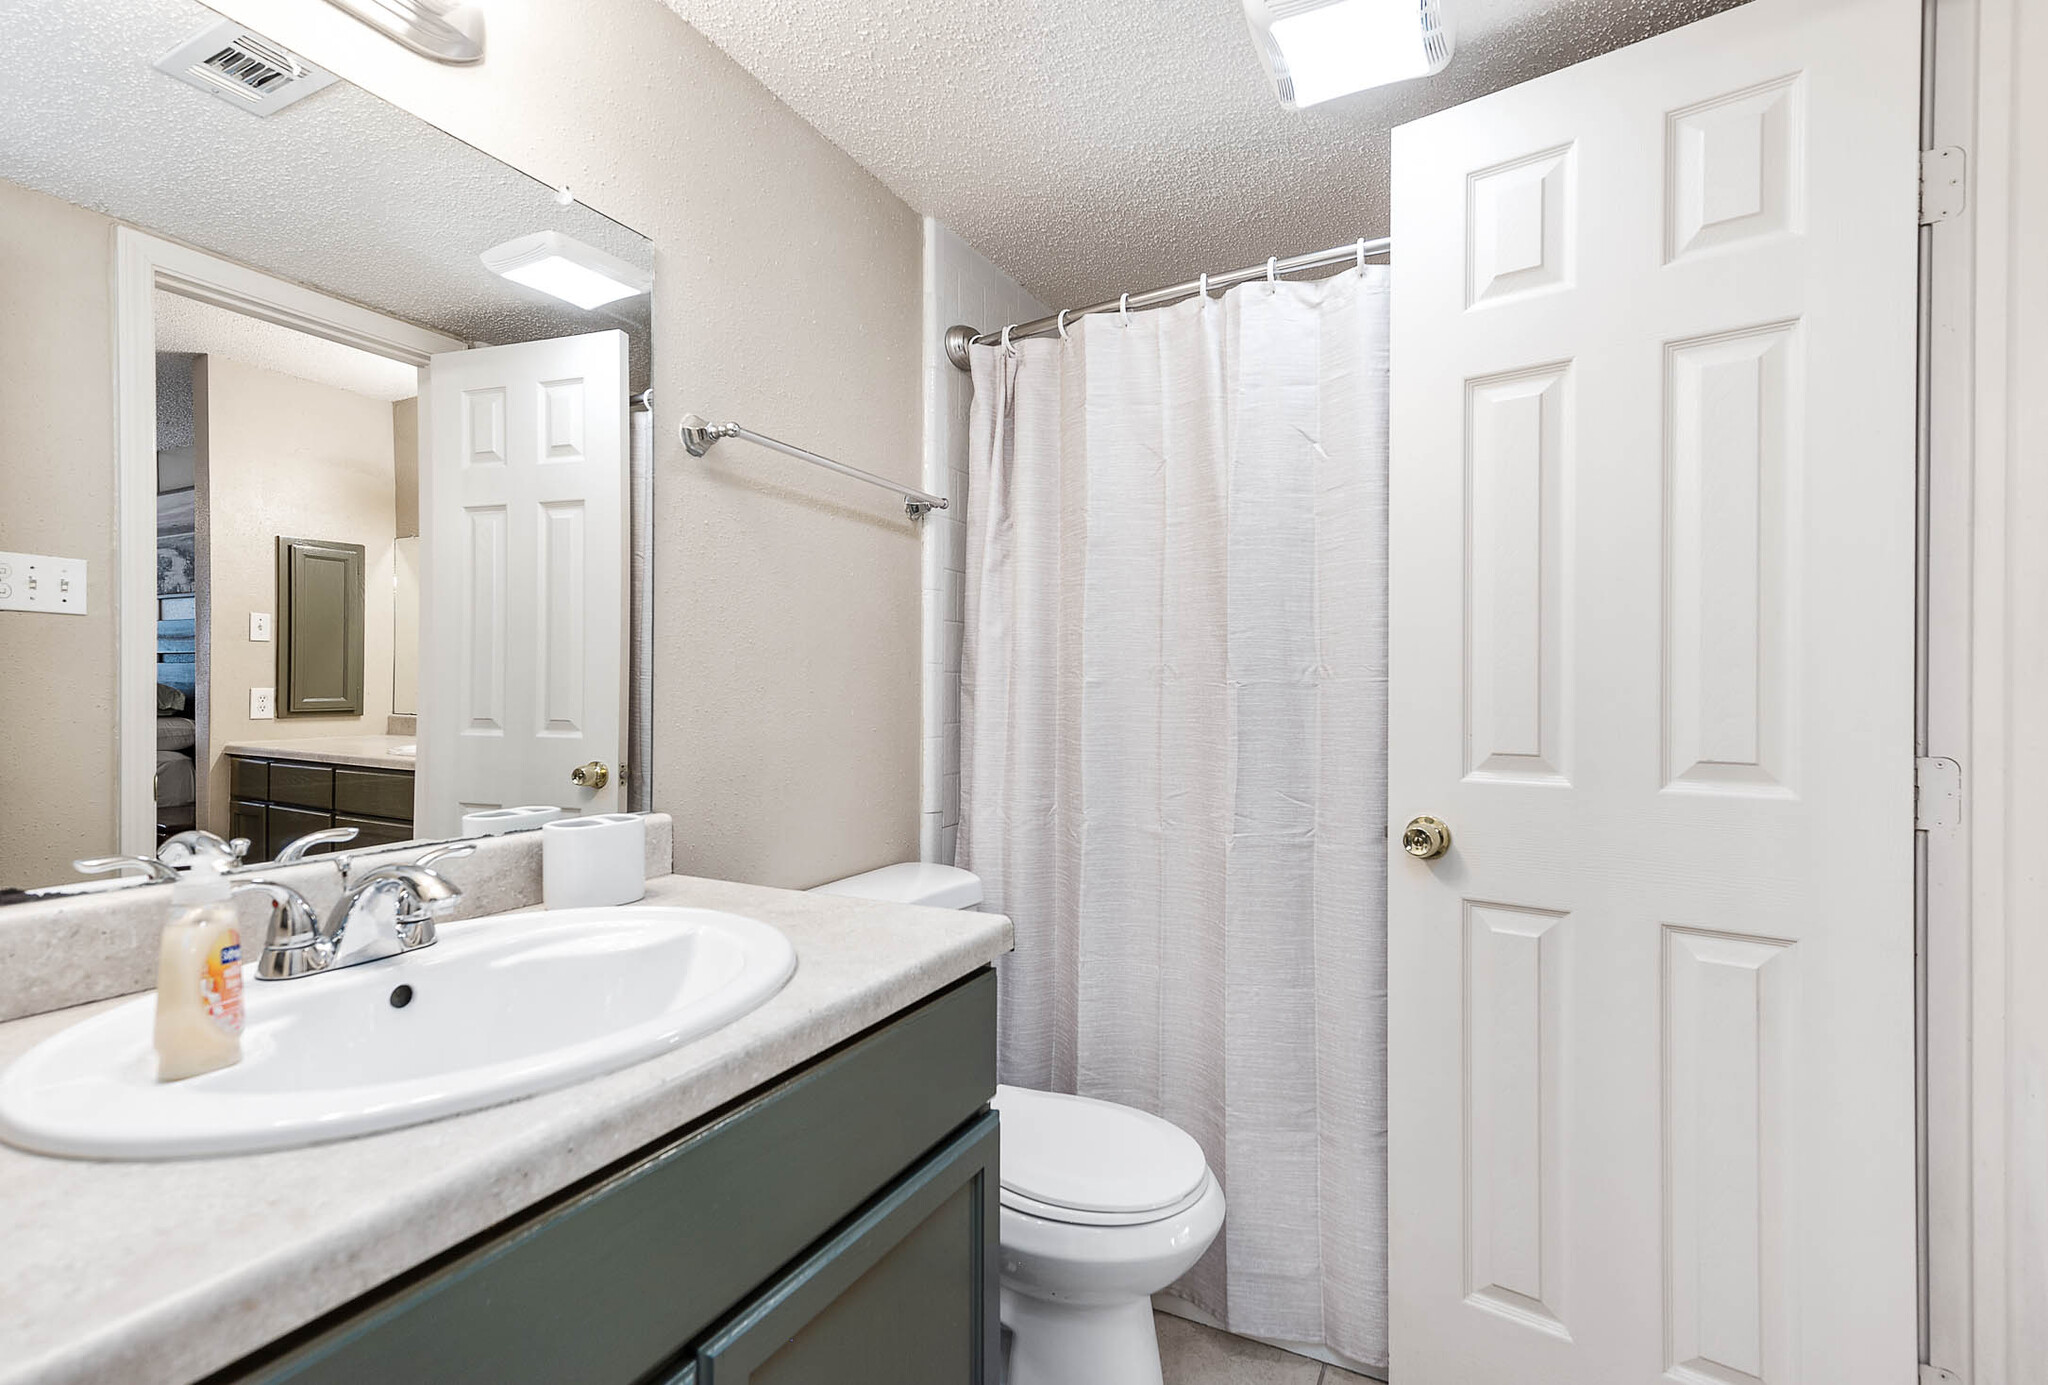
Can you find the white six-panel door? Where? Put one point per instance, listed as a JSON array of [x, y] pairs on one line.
[[523, 612], [1651, 1017]]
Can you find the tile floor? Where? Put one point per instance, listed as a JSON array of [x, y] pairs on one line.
[[1192, 1354]]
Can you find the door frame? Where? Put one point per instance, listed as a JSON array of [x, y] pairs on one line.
[[143, 264], [1984, 983]]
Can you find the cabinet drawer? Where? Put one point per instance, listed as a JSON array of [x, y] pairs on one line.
[[373, 793], [373, 831], [302, 786], [613, 1280], [282, 824], [249, 779]]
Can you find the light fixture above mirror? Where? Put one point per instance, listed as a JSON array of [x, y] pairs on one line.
[[565, 268]]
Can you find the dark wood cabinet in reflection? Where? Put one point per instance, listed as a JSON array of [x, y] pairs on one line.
[[276, 800]]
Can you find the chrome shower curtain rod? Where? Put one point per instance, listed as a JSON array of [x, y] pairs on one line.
[[958, 338]]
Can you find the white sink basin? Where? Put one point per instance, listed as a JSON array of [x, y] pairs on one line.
[[499, 1008]]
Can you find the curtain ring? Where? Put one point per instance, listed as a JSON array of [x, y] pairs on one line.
[[1361, 252], [1008, 349], [1205, 289], [1272, 264], [1124, 306], [1063, 324]]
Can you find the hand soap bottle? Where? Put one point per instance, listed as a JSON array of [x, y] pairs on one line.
[[199, 976]]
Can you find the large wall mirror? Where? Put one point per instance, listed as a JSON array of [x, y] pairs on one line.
[[326, 433]]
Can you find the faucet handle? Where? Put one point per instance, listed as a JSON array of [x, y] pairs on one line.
[[295, 850], [293, 944], [444, 853], [158, 872], [427, 894]]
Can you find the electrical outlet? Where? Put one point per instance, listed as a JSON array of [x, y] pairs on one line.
[[262, 704], [34, 582], [259, 626]]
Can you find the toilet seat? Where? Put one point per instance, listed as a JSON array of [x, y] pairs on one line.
[[1074, 1216], [1094, 1163]]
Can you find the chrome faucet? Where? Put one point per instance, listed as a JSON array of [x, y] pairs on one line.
[[390, 910]]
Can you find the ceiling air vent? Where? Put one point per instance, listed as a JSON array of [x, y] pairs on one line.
[[243, 68]]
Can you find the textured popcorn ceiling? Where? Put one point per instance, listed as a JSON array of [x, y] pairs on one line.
[[1091, 148], [341, 191], [186, 327]]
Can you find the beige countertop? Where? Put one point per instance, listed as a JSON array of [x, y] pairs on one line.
[[369, 752], [164, 1272]]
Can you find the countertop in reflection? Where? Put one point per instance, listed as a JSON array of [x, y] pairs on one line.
[[369, 752]]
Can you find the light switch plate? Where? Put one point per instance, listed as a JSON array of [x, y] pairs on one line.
[[262, 704], [259, 625], [36, 582]]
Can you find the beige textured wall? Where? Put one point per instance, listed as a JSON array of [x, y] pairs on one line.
[[57, 497], [287, 456], [788, 296]]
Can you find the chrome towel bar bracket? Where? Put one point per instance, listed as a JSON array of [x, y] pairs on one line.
[[698, 433]]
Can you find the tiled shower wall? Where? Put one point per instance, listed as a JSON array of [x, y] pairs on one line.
[[959, 286]]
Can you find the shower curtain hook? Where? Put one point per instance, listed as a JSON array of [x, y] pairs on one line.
[[1205, 290], [1063, 324], [1008, 350], [1124, 306], [1272, 263], [1361, 252]]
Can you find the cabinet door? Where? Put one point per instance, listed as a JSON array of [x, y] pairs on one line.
[[249, 820], [905, 1294], [282, 825], [319, 626]]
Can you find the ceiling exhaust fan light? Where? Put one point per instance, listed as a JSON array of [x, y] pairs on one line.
[[565, 268], [1322, 49]]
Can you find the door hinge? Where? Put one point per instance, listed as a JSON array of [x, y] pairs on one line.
[[1937, 793], [1937, 1375], [1944, 184]]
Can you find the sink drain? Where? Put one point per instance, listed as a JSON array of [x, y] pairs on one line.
[[401, 996]]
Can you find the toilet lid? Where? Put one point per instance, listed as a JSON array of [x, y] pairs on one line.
[[1094, 1156]]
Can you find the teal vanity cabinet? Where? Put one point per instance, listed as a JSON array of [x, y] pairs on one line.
[[837, 1227]]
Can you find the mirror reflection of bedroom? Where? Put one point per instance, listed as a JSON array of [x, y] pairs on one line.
[[287, 552]]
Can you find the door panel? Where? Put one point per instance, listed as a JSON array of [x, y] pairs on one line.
[[1650, 1017], [523, 619]]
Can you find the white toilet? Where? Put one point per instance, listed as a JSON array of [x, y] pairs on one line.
[[1102, 1205]]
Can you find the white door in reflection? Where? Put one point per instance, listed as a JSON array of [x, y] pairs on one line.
[[523, 626]]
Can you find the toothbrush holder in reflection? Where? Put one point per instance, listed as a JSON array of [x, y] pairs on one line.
[[593, 862]]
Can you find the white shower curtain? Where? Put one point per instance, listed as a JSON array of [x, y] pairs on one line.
[[1173, 750]]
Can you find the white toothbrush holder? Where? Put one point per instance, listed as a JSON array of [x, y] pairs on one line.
[[595, 861], [496, 822]]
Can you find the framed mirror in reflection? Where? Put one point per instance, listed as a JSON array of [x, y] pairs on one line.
[[314, 514]]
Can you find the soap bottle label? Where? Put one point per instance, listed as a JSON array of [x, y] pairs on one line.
[[220, 984]]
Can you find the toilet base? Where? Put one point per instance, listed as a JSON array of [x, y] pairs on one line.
[[1070, 1344]]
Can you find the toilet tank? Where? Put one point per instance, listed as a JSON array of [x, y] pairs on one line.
[[913, 882]]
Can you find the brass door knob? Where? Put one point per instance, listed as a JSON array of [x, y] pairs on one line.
[[1425, 838], [594, 775]]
